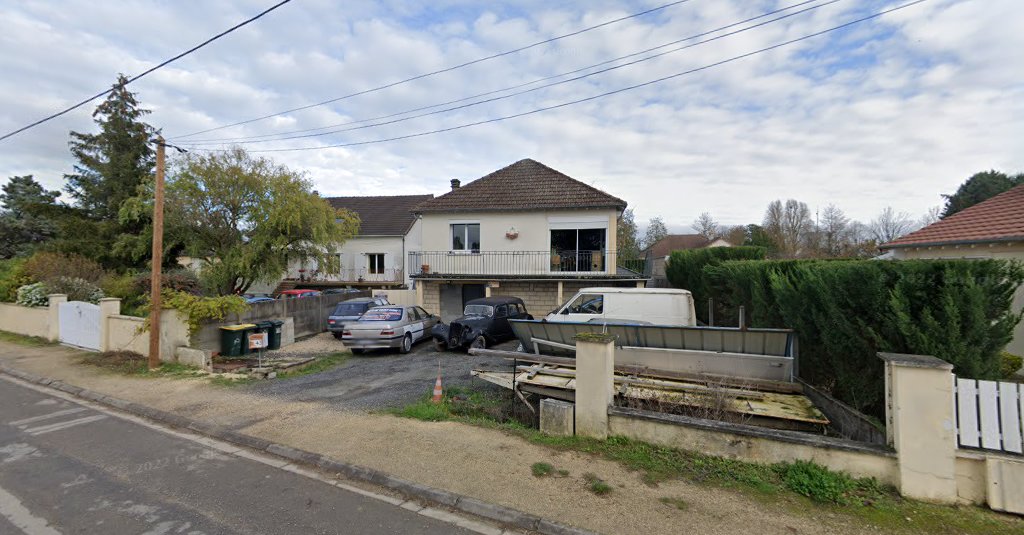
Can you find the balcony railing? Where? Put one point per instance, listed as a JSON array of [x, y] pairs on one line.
[[350, 275], [545, 263]]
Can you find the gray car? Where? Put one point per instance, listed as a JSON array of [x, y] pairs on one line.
[[389, 327], [350, 311]]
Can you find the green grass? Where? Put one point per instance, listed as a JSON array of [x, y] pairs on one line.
[[136, 365], [320, 365], [542, 469], [22, 340], [678, 503], [803, 488], [596, 485]]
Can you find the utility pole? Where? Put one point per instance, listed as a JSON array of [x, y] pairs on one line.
[[158, 257]]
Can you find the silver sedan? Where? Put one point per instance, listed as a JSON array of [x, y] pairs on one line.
[[389, 327]]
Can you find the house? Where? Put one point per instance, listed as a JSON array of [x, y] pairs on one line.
[[526, 230], [374, 258], [990, 229], [657, 254]]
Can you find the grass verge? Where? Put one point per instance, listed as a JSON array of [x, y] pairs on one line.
[[803, 488], [22, 340], [136, 365]]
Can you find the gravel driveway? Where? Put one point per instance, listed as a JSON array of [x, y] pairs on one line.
[[381, 378]]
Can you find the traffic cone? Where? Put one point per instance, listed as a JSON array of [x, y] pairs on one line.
[[437, 390]]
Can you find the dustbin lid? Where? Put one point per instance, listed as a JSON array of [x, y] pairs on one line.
[[264, 324], [277, 323], [240, 327]]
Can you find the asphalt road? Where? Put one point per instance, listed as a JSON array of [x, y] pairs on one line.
[[67, 468]]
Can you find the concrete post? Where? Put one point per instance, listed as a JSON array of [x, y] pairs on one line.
[[109, 306], [419, 295], [53, 316], [595, 388], [921, 426]]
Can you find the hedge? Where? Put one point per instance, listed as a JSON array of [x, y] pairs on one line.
[[846, 311], [685, 269]]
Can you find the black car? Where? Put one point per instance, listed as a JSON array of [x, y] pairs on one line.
[[484, 322]]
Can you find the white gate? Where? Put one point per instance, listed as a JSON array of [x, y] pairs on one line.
[[79, 324], [990, 414]]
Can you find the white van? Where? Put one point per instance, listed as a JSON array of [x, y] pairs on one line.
[[654, 306]]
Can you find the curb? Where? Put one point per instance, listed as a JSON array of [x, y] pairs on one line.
[[497, 513]]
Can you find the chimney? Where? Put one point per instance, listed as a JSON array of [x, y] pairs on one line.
[[455, 184]]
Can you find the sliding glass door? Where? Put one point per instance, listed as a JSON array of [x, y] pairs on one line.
[[578, 249]]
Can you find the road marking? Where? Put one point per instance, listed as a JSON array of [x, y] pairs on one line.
[[16, 513], [36, 431], [35, 419]]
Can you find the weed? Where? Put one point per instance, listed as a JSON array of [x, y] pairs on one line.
[[596, 484], [678, 503], [321, 364], [816, 482], [21, 340], [542, 469], [563, 473], [135, 364]]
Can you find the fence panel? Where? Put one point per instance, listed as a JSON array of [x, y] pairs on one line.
[[1009, 416], [988, 410], [967, 412], [990, 415]]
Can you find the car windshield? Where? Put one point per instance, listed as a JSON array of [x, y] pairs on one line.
[[478, 310], [382, 314], [350, 309]]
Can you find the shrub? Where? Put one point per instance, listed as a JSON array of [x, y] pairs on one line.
[[33, 295], [1009, 364], [76, 289], [198, 309], [177, 280], [124, 288], [12, 277], [685, 269], [816, 482], [45, 267]]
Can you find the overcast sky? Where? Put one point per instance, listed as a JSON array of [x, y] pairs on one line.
[[893, 111]]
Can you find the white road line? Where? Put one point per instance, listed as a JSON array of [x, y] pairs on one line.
[[34, 419], [16, 513], [64, 425]]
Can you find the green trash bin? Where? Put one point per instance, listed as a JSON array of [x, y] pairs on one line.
[[274, 334], [233, 341]]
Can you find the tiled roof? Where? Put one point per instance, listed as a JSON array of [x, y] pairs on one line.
[[382, 216], [676, 242], [524, 185], [1000, 218]]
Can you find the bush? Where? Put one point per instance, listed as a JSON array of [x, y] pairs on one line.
[[685, 269], [176, 280], [33, 295], [46, 267], [124, 287], [846, 311], [76, 289], [12, 277], [198, 309], [816, 482], [1009, 364]]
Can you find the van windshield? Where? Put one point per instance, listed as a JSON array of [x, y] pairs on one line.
[[586, 304]]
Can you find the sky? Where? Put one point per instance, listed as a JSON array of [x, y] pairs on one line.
[[894, 111]]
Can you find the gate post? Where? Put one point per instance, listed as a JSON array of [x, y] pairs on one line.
[[53, 316], [595, 389], [921, 426], [109, 306]]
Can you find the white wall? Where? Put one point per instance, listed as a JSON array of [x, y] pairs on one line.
[[533, 228], [354, 262]]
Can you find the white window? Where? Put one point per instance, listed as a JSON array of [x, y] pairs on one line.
[[466, 237], [375, 263]]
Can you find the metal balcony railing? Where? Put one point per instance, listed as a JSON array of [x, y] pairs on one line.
[[524, 263], [351, 275]]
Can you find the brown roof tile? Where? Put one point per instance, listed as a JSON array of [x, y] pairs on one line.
[[676, 242], [382, 216], [1000, 218], [524, 185]]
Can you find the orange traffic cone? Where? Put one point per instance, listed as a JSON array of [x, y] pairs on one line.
[[437, 390]]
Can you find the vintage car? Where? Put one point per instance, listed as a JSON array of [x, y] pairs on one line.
[[350, 311], [484, 322], [388, 327]]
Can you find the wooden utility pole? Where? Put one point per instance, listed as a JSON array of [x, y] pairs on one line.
[[158, 257]]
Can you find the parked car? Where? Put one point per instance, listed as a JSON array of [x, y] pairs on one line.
[[332, 291], [295, 294], [484, 322], [351, 310], [658, 306], [258, 299], [389, 327]]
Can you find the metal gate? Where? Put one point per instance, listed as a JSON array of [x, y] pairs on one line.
[[79, 324]]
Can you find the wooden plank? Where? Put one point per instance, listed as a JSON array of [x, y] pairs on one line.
[[1009, 417], [967, 412], [988, 411]]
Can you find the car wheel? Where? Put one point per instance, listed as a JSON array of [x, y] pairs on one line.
[[479, 343], [357, 351], [439, 345], [337, 335], [406, 344]]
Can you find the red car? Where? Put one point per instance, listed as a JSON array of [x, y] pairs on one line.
[[295, 294]]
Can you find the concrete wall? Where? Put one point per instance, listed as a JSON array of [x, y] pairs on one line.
[[1005, 251], [308, 313], [399, 297], [541, 297], [123, 334], [26, 321], [534, 228]]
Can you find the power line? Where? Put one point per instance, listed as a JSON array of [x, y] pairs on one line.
[[594, 97], [132, 79], [244, 141], [440, 71]]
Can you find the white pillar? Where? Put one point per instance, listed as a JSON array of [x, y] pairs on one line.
[[109, 306], [53, 316], [921, 426], [595, 389], [560, 289]]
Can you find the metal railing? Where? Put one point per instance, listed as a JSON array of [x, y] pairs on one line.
[[596, 262], [351, 275]]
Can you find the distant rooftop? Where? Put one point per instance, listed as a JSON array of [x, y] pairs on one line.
[[998, 219], [382, 216]]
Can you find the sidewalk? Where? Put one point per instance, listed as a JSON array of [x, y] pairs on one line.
[[485, 464]]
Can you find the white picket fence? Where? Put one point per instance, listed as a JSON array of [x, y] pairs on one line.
[[990, 414]]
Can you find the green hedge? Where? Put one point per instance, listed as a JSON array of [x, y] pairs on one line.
[[846, 311], [685, 269]]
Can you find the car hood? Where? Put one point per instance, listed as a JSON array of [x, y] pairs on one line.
[[472, 320]]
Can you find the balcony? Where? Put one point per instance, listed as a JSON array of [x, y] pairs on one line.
[[560, 264], [349, 276]]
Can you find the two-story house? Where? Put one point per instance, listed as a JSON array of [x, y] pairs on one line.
[[374, 258], [526, 230]]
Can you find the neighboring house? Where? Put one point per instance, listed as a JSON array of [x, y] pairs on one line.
[[658, 253], [527, 231], [388, 230], [989, 229]]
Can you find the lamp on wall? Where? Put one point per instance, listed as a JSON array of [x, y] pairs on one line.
[[512, 233]]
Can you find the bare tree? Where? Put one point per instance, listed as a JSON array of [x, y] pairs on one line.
[[706, 226], [656, 230], [933, 215], [789, 225], [832, 230], [890, 225]]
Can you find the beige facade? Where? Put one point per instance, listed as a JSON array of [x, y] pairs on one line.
[[531, 228], [1005, 251]]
